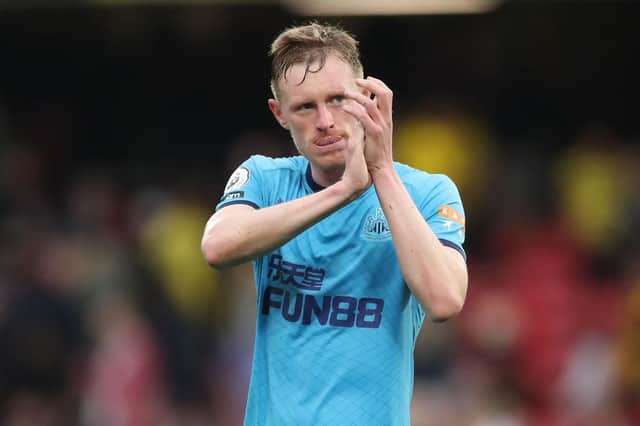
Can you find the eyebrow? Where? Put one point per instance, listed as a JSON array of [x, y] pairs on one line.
[[331, 95], [296, 105]]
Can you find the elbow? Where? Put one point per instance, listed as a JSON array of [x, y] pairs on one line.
[[447, 308], [215, 252], [442, 314], [447, 297]]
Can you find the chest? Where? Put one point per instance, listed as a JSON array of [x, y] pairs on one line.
[[351, 247]]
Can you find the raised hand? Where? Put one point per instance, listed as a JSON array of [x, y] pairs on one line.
[[356, 174], [373, 109]]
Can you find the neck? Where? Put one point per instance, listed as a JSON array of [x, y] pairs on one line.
[[326, 177]]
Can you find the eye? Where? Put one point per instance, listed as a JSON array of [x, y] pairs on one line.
[[337, 99], [305, 106]]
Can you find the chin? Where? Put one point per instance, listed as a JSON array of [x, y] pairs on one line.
[[330, 164], [332, 161]]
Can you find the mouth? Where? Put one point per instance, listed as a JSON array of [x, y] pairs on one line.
[[328, 140]]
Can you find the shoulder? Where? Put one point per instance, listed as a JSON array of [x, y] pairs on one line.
[[263, 163], [423, 182]]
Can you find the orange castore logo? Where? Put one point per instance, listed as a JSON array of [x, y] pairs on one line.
[[452, 214]]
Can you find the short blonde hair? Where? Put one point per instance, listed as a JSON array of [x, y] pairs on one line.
[[308, 44]]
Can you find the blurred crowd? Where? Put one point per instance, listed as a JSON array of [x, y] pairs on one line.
[[109, 315], [549, 335]]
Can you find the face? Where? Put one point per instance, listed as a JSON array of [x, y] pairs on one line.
[[312, 111]]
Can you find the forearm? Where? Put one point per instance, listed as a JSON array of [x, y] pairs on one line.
[[436, 278], [231, 239]]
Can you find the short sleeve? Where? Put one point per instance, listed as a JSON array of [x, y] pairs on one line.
[[444, 213], [244, 186]]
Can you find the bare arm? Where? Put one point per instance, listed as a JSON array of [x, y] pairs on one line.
[[435, 274], [238, 233]]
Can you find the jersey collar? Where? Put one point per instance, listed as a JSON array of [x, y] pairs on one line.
[[315, 187]]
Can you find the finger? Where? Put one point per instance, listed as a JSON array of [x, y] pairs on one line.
[[379, 82], [360, 113], [368, 94], [355, 144], [383, 95], [369, 104]]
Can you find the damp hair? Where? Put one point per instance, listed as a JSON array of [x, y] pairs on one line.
[[310, 45]]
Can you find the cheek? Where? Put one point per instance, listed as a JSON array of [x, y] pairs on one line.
[[301, 130], [299, 137], [296, 132]]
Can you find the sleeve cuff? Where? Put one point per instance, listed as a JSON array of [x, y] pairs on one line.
[[454, 246], [245, 202]]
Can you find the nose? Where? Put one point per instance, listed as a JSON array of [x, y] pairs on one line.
[[324, 120]]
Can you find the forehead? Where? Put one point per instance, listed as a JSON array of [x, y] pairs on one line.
[[335, 76]]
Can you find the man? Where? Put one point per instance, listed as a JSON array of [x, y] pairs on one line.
[[350, 250]]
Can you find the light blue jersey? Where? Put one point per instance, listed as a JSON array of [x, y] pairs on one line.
[[336, 323]]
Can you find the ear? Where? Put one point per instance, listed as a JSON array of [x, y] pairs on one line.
[[277, 113]]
